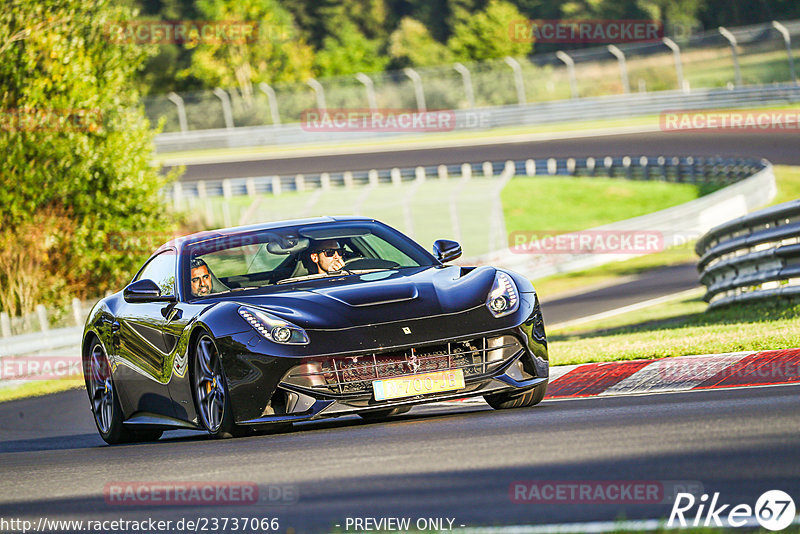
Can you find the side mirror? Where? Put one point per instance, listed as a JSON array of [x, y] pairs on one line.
[[145, 291], [446, 250]]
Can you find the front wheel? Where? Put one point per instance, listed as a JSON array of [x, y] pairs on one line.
[[210, 391], [503, 401]]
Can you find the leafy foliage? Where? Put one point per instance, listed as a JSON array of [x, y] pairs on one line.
[[77, 150], [485, 35], [411, 44]]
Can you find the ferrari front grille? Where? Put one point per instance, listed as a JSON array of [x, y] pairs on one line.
[[348, 375]]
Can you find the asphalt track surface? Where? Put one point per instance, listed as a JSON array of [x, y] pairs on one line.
[[779, 148], [457, 461], [646, 286]]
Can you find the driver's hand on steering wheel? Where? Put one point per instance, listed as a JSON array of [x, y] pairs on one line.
[[337, 264]]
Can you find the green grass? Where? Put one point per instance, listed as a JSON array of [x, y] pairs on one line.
[[788, 181], [677, 329], [37, 388], [568, 204]]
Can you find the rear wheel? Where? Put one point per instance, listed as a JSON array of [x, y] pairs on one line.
[[377, 415], [104, 400], [211, 392], [502, 401]]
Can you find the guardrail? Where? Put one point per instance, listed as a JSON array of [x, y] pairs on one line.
[[748, 184], [614, 106], [753, 257]]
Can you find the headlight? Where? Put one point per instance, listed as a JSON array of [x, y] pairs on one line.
[[503, 299], [274, 328]]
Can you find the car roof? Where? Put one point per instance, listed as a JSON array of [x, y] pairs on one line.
[[183, 241]]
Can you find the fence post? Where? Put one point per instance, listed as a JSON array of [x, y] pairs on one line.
[[319, 92], [41, 313], [227, 111], [644, 164], [466, 171], [732, 40], [300, 183], [348, 179], [177, 195], [623, 67], [418, 89], [419, 173], [590, 165], [77, 311], [552, 166], [571, 166], [227, 191], [176, 99], [369, 86], [466, 76], [325, 181], [570, 63], [488, 171], [276, 185], [518, 80], [396, 178], [530, 167], [676, 54], [5, 324], [441, 170], [273, 101], [250, 184], [787, 38], [373, 177], [608, 163]]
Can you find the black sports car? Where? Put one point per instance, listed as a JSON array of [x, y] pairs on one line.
[[238, 329]]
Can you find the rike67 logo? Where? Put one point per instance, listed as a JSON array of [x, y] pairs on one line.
[[774, 510]]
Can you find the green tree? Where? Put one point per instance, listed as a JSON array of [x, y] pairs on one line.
[[77, 148], [349, 51], [275, 54], [411, 44], [486, 34]]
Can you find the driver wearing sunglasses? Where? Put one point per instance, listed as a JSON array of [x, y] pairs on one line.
[[328, 256]]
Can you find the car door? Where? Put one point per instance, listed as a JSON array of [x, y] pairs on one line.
[[143, 349]]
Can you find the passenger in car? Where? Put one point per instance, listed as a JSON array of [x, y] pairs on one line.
[[201, 278]]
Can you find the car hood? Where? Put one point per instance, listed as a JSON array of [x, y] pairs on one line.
[[377, 297]]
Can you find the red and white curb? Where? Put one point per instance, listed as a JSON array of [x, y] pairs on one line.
[[680, 373]]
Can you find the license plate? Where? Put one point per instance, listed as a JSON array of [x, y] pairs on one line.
[[422, 384]]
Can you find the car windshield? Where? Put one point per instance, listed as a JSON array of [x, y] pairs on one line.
[[292, 254]]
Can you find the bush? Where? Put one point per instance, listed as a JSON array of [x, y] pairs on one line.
[[77, 151]]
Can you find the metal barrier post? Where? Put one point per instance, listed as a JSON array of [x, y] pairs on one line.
[[369, 87], [227, 112], [418, 89], [467, 78], [676, 54], [176, 99], [732, 40], [787, 39], [623, 67], [570, 63], [319, 91], [273, 101], [518, 81]]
